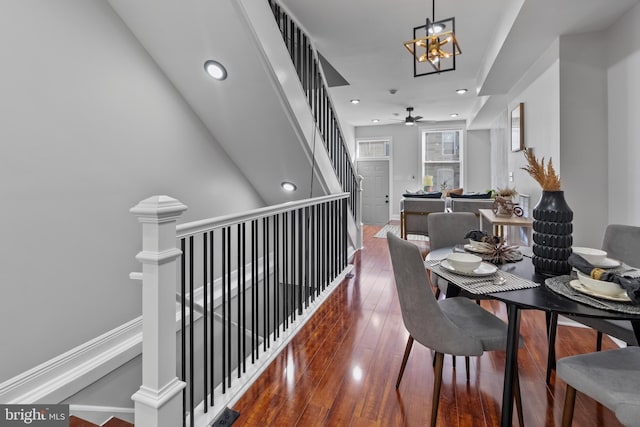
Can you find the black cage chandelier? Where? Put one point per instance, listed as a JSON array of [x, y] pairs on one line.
[[436, 50]]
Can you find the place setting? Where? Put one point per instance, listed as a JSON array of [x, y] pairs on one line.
[[471, 273], [599, 281]]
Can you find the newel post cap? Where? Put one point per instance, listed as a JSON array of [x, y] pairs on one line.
[[161, 208]]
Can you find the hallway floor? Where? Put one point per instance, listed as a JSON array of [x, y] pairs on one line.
[[340, 370]]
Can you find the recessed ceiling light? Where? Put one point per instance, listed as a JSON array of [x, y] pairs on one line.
[[355, 101], [215, 69], [288, 186], [375, 120], [461, 91], [454, 114]]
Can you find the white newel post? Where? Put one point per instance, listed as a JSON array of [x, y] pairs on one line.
[[158, 402]]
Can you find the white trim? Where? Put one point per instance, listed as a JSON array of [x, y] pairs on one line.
[[70, 372]]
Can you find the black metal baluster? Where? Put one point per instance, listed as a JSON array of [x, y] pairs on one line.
[[285, 258], [316, 258], [228, 302], [239, 296], [212, 317], [224, 310], [191, 335], [265, 283], [294, 283], [254, 285], [301, 257], [344, 233], [307, 249], [205, 324], [183, 327], [276, 276], [334, 223]]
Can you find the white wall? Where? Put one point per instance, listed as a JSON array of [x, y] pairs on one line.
[[477, 161], [623, 98], [584, 115], [90, 127], [583, 134], [406, 166], [541, 129]]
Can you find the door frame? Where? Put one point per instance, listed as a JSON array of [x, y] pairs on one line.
[[389, 160]]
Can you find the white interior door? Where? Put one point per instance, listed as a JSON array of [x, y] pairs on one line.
[[375, 191]]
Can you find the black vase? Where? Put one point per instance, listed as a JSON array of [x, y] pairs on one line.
[[552, 238]]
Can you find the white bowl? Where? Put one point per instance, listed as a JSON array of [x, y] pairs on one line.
[[464, 263], [599, 286], [594, 256]]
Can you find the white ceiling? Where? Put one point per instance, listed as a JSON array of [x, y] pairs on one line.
[[499, 39], [363, 40]]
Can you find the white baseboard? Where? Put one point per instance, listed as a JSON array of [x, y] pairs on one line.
[[63, 376]]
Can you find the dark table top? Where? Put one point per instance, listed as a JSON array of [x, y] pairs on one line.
[[541, 297]]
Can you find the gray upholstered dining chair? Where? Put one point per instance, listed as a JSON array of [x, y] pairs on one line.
[[622, 242], [610, 377], [453, 326], [448, 229]]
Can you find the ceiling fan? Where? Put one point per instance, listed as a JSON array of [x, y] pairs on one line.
[[411, 120]]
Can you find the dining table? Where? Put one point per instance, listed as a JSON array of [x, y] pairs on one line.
[[523, 289]]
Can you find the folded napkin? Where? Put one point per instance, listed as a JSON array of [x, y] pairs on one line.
[[628, 283], [482, 236]]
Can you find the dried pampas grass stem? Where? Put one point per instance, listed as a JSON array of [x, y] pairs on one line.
[[545, 175]]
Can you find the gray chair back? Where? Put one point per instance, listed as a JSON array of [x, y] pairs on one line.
[[448, 229], [622, 242], [421, 313]]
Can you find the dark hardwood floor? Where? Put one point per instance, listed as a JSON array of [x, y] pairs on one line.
[[340, 370]]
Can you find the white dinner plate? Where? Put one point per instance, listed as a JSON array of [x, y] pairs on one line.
[[485, 269], [608, 263], [622, 297]]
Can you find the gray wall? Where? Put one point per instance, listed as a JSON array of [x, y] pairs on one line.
[[623, 102], [90, 127]]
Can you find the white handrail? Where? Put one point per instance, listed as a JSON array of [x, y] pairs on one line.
[[201, 226]]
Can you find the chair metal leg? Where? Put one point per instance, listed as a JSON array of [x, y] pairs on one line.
[[437, 383], [552, 328], [599, 341], [569, 402], [466, 365], [407, 350], [518, 397]]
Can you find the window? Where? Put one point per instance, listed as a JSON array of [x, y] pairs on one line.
[[370, 149], [442, 159]]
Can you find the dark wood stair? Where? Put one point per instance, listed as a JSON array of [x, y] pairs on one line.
[[113, 422]]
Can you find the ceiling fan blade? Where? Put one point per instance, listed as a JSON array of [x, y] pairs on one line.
[[416, 118]]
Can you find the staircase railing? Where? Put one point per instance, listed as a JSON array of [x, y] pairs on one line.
[[305, 60], [245, 284]]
